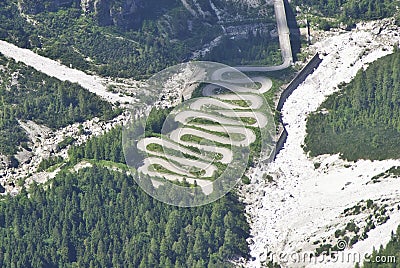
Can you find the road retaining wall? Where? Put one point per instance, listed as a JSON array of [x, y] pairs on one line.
[[300, 78], [296, 82]]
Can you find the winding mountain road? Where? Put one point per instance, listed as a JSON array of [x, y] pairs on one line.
[[226, 114], [284, 42], [229, 129], [228, 117]]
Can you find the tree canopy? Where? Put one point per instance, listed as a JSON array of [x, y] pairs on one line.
[[362, 121], [354, 9], [100, 218]]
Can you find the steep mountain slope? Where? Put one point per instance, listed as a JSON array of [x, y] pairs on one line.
[[352, 9], [126, 14], [363, 120], [128, 38], [27, 94]]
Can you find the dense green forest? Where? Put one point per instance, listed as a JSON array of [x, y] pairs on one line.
[[348, 10], [109, 145], [27, 94], [13, 27], [362, 121], [112, 52], [105, 147], [99, 218], [385, 255], [262, 50]]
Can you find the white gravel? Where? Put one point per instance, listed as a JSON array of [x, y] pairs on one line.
[[53, 68], [304, 204]]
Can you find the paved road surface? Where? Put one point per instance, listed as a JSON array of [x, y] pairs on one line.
[[229, 113]]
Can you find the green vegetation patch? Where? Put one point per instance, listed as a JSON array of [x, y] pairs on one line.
[[199, 140], [349, 11], [241, 103], [233, 136], [197, 172], [105, 147], [50, 164], [363, 120], [255, 49], [203, 121], [155, 148], [248, 120], [65, 143], [161, 169], [392, 172]]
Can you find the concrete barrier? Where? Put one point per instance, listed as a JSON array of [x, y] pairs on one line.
[[300, 78]]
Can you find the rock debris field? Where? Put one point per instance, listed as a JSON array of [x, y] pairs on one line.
[[303, 204]]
